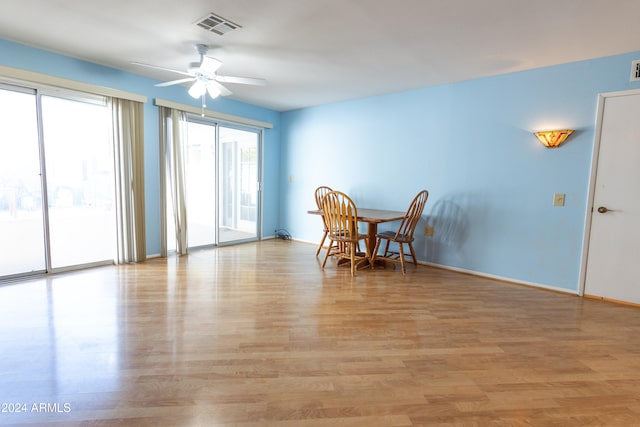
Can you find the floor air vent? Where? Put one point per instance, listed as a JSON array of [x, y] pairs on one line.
[[216, 24]]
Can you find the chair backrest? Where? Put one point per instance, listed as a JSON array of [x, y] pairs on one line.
[[411, 218], [341, 215], [320, 193]]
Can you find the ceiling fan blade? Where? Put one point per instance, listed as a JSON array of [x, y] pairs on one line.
[[184, 73], [223, 90], [241, 80], [209, 65], [176, 82]]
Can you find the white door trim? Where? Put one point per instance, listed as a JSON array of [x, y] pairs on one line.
[[592, 180]]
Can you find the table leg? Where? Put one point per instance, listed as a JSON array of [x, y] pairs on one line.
[[372, 230]]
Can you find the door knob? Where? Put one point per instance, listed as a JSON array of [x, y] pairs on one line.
[[603, 209]]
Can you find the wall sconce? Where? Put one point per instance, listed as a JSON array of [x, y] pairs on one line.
[[553, 138]]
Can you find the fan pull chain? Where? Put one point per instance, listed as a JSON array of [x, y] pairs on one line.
[[204, 104]]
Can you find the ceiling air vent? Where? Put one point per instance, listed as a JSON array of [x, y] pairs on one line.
[[635, 71], [216, 24]]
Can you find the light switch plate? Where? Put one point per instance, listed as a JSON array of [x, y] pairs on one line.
[[558, 199]]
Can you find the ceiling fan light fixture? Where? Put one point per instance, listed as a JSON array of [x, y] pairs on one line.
[[214, 90], [204, 77], [197, 89]]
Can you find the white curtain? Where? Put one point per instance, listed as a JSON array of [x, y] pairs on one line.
[[128, 141], [173, 137]]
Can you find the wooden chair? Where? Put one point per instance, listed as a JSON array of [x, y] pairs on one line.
[[404, 234], [319, 194], [341, 216]]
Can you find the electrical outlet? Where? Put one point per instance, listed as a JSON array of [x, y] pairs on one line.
[[558, 199], [428, 230], [635, 71]]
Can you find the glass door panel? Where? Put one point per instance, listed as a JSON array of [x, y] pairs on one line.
[[80, 182], [200, 177], [21, 214], [238, 184]]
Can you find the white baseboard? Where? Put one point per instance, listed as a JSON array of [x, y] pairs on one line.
[[486, 275], [310, 242], [500, 278]]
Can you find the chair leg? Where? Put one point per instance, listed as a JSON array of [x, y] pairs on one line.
[[334, 247], [386, 248], [413, 254], [326, 256], [352, 249], [324, 236], [400, 245]]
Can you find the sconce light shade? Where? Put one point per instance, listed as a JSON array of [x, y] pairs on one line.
[[553, 138]]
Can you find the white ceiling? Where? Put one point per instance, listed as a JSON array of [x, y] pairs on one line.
[[314, 52]]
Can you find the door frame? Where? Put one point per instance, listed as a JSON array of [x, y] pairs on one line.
[[602, 97]]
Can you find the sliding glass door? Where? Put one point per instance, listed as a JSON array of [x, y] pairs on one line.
[[56, 182], [21, 214], [221, 174]]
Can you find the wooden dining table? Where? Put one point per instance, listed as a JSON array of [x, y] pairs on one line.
[[372, 217]]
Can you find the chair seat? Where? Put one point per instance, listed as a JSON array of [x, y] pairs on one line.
[[391, 235], [343, 238]]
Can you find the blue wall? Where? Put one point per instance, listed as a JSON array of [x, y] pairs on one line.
[[471, 145], [23, 57]]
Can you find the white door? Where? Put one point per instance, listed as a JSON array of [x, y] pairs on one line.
[[614, 239]]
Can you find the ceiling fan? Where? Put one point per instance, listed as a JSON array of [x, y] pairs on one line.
[[204, 77]]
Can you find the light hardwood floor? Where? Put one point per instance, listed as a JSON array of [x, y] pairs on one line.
[[258, 335]]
